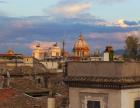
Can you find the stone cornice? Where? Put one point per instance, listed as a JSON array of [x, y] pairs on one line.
[[103, 82]]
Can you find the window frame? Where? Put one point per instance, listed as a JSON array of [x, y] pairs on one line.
[[90, 98]]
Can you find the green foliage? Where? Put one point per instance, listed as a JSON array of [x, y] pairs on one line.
[[131, 49], [111, 55]]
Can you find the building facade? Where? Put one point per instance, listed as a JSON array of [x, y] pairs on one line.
[[41, 53], [103, 84], [38, 52], [109, 54], [54, 51]]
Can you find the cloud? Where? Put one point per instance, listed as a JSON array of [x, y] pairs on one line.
[[126, 23], [19, 24], [69, 18], [2, 1], [117, 39], [110, 1], [70, 8], [121, 23], [108, 36], [18, 47], [2, 13], [132, 23]]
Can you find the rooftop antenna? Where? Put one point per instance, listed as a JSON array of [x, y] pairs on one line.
[[63, 48], [63, 53]]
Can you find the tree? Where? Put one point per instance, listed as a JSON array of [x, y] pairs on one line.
[[131, 49]]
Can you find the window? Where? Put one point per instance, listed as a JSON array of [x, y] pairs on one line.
[[57, 53], [39, 81], [137, 104], [93, 104]]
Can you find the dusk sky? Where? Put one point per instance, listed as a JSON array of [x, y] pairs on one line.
[[23, 23]]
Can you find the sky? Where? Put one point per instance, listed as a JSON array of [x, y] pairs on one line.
[[24, 23]]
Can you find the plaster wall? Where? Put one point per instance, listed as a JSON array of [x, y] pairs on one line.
[[128, 97], [109, 98], [50, 65]]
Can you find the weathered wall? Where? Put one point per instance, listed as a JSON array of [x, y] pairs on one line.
[[103, 69], [111, 98], [50, 65]]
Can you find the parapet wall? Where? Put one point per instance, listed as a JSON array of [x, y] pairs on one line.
[[104, 69]]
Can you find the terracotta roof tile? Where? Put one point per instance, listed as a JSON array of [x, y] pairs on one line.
[[6, 93]]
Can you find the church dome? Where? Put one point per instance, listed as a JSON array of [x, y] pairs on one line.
[[81, 44], [10, 51], [81, 48]]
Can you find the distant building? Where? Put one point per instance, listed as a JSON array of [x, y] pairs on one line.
[[54, 51], [38, 52], [10, 57], [81, 48], [108, 54], [10, 51], [53, 64], [28, 61], [96, 56], [103, 84]]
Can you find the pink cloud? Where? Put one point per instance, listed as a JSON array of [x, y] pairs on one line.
[[118, 36], [117, 40], [20, 23]]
